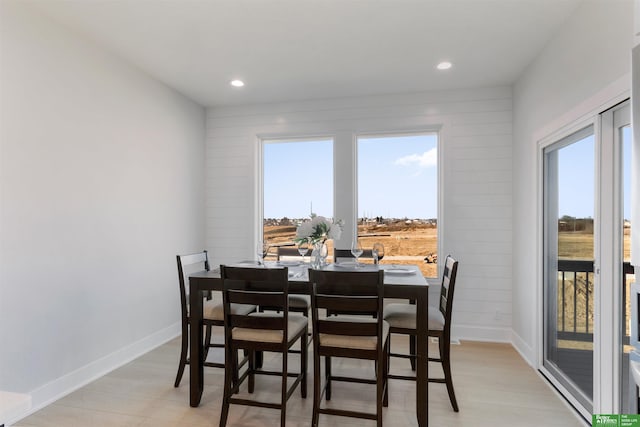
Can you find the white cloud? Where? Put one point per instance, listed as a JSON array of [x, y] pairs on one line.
[[425, 160]]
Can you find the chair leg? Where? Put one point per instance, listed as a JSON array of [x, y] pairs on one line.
[[252, 369], [445, 356], [387, 349], [231, 360], [317, 381], [259, 359], [379, 391], [228, 384], [412, 351], [303, 364], [283, 391], [327, 377], [183, 354]]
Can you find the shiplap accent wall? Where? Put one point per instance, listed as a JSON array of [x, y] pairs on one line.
[[475, 192]]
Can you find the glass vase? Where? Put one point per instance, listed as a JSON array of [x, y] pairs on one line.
[[317, 252]]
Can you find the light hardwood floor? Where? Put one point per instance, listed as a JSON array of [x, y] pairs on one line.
[[494, 387]]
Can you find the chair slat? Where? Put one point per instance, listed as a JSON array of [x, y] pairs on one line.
[[190, 259], [274, 299], [257, 322], [341, 303], [335, 327]]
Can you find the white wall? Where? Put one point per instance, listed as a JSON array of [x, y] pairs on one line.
[[101, 184], [586, 64], [476, 165]]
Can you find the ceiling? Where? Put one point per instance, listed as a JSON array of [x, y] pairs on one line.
[[308, 49]]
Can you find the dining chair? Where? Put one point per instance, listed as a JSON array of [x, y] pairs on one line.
[[297, 303], [402, 320], [341, 255], [353, 337], [345, 255], [287, 251], [259, 332], [212, 312]]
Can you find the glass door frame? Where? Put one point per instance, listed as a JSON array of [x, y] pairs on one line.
[[609, 250], [606, 336]]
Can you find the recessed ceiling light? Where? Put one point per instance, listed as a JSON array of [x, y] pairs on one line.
[[444, 65], [237, 83]]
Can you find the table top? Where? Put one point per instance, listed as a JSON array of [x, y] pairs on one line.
[[299, 272]]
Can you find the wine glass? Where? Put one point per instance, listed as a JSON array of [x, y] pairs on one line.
[[356, 249], [303, 248], [261, 249], [377, 252]]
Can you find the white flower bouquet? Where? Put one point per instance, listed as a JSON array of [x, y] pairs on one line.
[[318, 229]]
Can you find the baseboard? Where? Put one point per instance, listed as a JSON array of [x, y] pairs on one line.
[[480, 333], [525, 350], [58, 388]]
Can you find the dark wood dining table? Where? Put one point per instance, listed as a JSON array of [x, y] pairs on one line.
[[398, 283]]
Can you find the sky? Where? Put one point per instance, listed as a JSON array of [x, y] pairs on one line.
[[298, 178], [396, 177], [577, 177]]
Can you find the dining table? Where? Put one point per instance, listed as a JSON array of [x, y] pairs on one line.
[[400, 282]]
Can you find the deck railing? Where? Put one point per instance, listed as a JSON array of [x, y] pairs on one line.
[[575, 299]]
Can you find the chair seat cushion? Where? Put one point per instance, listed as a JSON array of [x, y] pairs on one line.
[[299, 301], [297, 323], [353, 342], [404, 316], [215, 311]]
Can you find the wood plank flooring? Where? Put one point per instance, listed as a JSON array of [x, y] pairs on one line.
[[494, 387]]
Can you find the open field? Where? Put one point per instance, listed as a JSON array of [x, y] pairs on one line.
[[403, 243], [411, 243], [579, 244]]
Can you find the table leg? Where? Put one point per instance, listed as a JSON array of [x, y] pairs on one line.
[[196, 368], [422, 368]]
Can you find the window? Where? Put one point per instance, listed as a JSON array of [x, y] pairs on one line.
[[398, 198], [291, 189]]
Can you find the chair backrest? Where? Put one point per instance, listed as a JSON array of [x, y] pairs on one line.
[[289, 251], [346, 254], [255, 286], [187, 264], [347, 291], [446, 290]]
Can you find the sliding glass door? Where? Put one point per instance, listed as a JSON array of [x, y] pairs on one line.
[[586, 271], [569, 178]]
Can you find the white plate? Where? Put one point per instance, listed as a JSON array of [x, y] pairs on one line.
[[289, 263], [346, 264], [399, 271]]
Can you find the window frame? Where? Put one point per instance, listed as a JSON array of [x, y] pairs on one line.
[[348, 154], [439, 176], [259, 182]]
